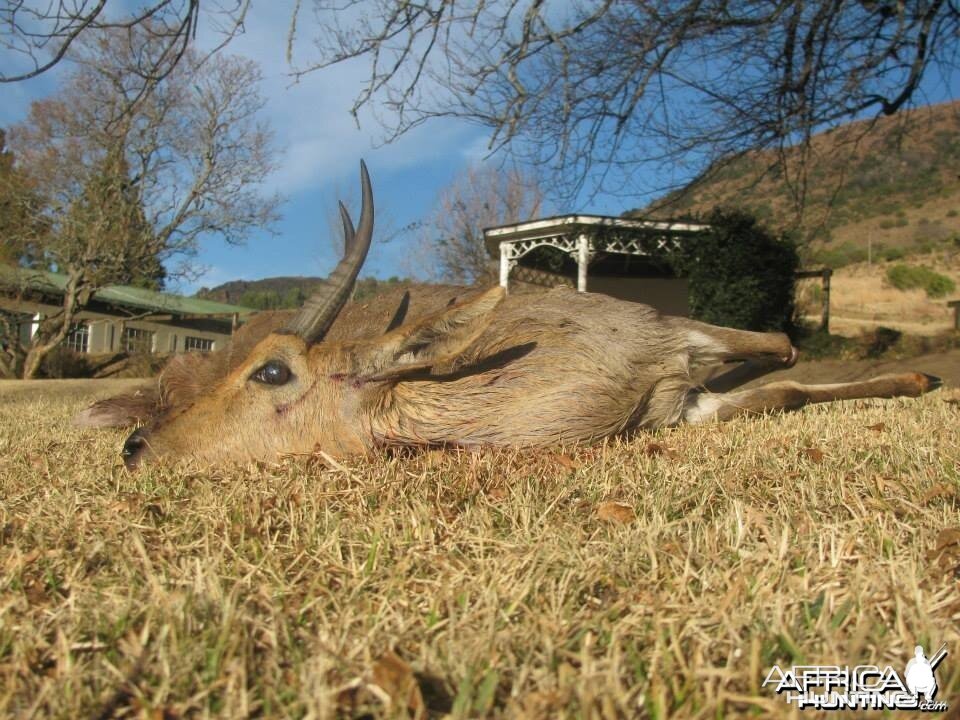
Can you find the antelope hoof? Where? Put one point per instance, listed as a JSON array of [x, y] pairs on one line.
[[932, 383], [791, 359]]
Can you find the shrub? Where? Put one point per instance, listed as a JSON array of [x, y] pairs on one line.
[[908, 277], [878, 342], [816, 344], [61, 362], [893, 253], [845, 254], [741, 275]]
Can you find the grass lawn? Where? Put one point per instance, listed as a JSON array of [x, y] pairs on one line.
[[478, 584]]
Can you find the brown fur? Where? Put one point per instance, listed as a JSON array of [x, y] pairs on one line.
[[522, 371], [188, 376]]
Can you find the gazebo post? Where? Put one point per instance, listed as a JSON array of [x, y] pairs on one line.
[[825, 319], [504, 265], [583, 258]]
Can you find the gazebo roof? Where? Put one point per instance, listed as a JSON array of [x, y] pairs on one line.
[[575, 224]]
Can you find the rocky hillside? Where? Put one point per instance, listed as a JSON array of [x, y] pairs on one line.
[[886, 189]]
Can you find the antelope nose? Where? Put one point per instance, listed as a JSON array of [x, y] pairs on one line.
[[133, 448]]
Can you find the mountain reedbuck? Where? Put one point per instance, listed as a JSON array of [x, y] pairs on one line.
[[449, 366]]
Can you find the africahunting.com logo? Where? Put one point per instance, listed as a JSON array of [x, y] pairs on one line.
[[862, 687]]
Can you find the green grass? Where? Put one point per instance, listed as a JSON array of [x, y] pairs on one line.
[[476, 584]]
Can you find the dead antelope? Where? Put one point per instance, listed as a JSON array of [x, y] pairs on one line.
[[441, 367]]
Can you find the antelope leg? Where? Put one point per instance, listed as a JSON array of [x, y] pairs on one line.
[[787, 395]]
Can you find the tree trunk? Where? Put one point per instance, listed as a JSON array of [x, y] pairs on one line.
[[34, 359], [11, 363], [53, 330]]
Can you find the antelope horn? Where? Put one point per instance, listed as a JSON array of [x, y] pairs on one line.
[[321, 309], [348, 232]]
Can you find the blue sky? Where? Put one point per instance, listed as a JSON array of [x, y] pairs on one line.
[[321, 146]]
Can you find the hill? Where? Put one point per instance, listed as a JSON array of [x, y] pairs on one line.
[[286, 292], [238, 291], [886, 188]]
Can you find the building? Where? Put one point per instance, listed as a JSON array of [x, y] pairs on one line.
[[118, 318], [611, 255]]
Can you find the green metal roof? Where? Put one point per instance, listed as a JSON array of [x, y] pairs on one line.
[[125, 295]]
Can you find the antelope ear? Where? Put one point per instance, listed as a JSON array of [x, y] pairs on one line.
[[443, 335], [120, 411]]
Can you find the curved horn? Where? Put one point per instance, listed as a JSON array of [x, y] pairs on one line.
[[321, 309], [348, 232]]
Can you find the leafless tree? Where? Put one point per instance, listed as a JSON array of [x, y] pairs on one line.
[[605, 92], [601, 90], [480, 197], [133, 169]]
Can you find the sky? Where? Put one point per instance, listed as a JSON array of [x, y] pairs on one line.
[[321, 146]]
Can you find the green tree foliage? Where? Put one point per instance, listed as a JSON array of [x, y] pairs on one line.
[[108, 216], [368, 287], [20, 219], [741, 275], [261, 299], [270, 299]]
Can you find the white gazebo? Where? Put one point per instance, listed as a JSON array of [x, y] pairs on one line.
[[579, 237]]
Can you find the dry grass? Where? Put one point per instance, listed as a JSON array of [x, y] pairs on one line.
[[500, 578], [862, 299]]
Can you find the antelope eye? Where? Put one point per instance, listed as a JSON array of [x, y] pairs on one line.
[[273, 373]]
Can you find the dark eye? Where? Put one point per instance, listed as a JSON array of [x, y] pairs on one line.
[[273, 373]]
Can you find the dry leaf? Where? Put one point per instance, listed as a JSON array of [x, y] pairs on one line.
[[946, 554], [879, 427], [568, 462], [497, 493], [940, 490], [615, 512], [654, 449], [814, 454], [395, 677], [946, 538]]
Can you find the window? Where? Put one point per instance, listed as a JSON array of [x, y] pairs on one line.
[[137, 340], [197, 344], [78, 339]]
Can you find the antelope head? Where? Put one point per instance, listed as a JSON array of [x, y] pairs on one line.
[[295, 393]]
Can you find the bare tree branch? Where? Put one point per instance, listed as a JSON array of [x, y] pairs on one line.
[[43, 34], [480, 197], [600, 91]]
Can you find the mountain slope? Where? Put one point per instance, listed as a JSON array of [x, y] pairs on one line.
[[287, 291], [893, 185], [233, 291]]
